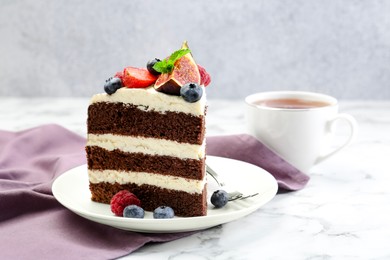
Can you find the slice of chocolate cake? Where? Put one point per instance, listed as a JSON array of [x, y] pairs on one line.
[[150, 143]]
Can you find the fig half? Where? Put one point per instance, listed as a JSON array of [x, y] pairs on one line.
[[185, 71]]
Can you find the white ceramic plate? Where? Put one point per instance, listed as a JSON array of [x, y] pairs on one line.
[[71, 190]]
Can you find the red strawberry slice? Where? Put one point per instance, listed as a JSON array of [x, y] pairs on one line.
[[205, 78], [137, 77]]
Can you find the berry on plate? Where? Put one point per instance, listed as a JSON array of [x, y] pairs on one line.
[[121, 200], [133, 211], [219, 198], [163, 212]]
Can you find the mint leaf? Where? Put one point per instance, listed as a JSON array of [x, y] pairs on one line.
[[178, 54], [161, 66], [167, 65], [170, 66]]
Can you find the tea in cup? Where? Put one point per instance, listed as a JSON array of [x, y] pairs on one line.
[[297, 125]]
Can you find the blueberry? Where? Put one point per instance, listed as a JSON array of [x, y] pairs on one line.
[[150, 65], [133, 211], [219, 198], [163, 212], [191, 92], [112, 85]]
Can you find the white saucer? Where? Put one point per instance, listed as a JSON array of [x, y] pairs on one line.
[[71, 190]]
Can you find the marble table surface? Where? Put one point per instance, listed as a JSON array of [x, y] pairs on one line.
[[343, 213]]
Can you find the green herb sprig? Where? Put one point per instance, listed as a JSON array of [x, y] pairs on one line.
[[167, 65]]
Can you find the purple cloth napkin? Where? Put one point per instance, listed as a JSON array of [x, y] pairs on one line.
[[33, 225], [247, 148]]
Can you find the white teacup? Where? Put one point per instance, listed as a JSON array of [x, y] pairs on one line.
[[297, 125]]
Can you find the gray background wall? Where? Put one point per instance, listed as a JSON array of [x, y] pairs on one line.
[[69, 48]]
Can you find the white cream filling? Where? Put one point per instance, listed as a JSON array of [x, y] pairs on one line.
[[145, 145], [139, 178], [150, 99]]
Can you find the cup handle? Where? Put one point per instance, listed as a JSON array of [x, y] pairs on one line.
[[353, 126]]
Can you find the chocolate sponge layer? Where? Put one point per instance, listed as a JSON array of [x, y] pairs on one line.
[[126, 119], [102, 159], [184, 204]]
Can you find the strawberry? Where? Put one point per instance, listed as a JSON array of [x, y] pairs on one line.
[[205, 78], [121, 200], [137, 77]]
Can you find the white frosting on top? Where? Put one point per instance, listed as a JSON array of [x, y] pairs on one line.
[[145, 145], [150, 99], [139, 178]]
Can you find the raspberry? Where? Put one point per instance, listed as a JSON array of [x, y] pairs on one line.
[[205, 78], [121, 200], [119, 74]]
